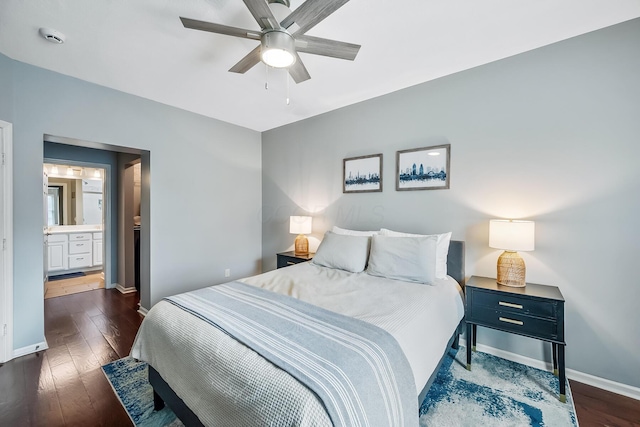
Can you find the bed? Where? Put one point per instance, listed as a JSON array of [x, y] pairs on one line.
[[209, 378]]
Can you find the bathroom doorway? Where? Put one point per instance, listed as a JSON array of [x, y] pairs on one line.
[[115, 159], [74, 226]]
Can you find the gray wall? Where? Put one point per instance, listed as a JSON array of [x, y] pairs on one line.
[[6, 89], [91, 155], [549, 135], [204, 177]]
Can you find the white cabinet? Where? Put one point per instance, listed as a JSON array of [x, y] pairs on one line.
[[57, 252], [97, 249], [79, 261], [74, 237], [80, 249], [74, 251]]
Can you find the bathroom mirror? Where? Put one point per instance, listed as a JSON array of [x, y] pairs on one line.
[[74, 199]]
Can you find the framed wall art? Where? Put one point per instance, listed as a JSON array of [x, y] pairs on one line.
[[362, 174], [423, 168]]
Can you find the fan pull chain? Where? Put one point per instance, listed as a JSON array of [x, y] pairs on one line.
[[266, 81], [286, 76]]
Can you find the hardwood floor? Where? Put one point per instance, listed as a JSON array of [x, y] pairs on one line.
[[74, 285], [597, 407], [64, 385]]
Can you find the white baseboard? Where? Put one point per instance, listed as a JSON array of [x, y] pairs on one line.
[[142, 310], [19, 352], [124, 290], [592, 380]]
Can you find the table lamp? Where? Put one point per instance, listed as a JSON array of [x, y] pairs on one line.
[[300, 225], [512, 236]]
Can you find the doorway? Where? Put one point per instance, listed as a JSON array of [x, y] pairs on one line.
[[75, 225], [117, 158]]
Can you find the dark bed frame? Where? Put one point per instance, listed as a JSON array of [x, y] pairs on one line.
[[163, 394]]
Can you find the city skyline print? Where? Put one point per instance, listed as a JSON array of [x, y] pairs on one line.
[[423, 168], [362, 174]]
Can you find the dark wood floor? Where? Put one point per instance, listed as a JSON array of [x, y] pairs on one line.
[[64, 385], [597, 407]]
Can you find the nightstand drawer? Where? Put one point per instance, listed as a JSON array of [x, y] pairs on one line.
[[286, 259], [510, 303], [537, 327]]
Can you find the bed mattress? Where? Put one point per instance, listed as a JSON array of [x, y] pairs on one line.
[[226, 383]]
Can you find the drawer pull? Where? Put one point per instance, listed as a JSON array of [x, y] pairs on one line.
[[291, 263], [508, 304], [79, 259], [515, 322]]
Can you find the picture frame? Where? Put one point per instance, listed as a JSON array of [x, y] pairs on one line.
[[362, 174], [426, 168]]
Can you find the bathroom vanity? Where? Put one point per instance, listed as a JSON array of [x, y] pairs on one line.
[[74, 248]]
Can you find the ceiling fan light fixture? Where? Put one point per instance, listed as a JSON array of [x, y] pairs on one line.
[[278, 49]]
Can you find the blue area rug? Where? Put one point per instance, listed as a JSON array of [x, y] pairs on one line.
[[495, 393], [129, 380]]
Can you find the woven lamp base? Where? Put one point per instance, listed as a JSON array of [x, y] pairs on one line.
[[301, 245], [511, 270]]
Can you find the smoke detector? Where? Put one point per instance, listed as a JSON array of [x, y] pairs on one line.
[[54, 36]]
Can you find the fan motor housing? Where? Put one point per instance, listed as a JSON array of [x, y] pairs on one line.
[[278, 48]]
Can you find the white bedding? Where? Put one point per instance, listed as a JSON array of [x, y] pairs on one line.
[[420, 317], [225, 383]]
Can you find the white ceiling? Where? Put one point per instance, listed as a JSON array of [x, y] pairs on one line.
[[141, 47]]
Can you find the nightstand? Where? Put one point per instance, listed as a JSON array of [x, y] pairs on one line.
[[286, 259], [535, 311]]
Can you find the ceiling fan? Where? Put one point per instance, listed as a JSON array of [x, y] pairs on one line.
[[282, 35]]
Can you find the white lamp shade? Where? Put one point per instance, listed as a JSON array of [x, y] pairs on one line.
[[512, 235], [300, 224]]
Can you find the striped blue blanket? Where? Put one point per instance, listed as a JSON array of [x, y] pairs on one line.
[[356, 369]]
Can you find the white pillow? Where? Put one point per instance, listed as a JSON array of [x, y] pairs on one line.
[[346, 232], [442, 248], [343, 252], [411, 259]]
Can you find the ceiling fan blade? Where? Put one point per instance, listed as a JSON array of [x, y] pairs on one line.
[[246, 63], [326, 47], [194, 24], [262, 14], [310, 13], [298, 71]]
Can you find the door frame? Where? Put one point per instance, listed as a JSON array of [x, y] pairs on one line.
[[106, 217], [145, 205], [6, 276]]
